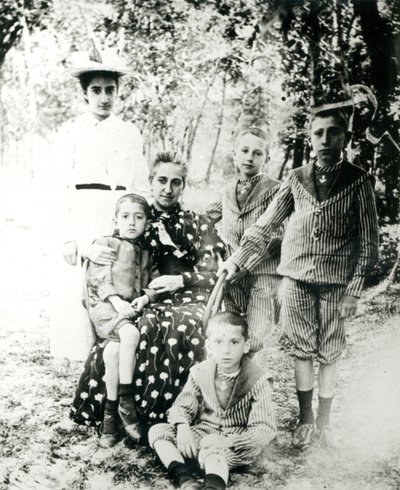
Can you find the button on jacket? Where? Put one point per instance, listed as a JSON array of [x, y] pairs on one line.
[[334, 241]]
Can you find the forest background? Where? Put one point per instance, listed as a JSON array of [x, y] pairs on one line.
[[199, 70]]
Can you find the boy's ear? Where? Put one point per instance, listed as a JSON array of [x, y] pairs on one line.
[[246, 349], [207, 344], [148, 225]]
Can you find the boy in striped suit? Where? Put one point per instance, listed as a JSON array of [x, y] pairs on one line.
[[243, 201], [330, 245], [224, 415]]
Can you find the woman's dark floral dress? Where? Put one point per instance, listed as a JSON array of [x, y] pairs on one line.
[[171, 337]]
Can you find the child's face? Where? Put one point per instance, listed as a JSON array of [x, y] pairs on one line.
[[226, 345], [131, 220], [101, 95], [167, 185], [250, 154], [327, 139]]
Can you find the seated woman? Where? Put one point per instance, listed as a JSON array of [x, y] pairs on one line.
[[171, 335]]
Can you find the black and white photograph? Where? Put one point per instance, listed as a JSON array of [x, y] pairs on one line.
[[200, 244]]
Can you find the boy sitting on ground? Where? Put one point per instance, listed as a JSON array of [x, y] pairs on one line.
[[224, 415]]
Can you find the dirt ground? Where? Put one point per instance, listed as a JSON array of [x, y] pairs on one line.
[[41, 448]]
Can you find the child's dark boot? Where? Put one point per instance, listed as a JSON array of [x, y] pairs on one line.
[[181, 474], [214, 482], [110, 428], [304, 432], [128, 412]]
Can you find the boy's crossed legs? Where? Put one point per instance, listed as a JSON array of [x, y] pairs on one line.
[[208, 450], [120, 359]]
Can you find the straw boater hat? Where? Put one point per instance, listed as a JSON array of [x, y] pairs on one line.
[[94, 60]]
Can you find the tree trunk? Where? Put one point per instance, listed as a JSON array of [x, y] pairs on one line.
[[379, 39], [193, 132], [32, 104], [219, 126], [298, 150], [285, 160]]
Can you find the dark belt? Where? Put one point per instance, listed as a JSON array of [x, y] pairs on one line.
[[101, 187]]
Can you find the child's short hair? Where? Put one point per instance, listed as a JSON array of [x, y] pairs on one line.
[[341, 114], [133, 198], [255, 131], [88, 76], [229, 318], [167, 157]]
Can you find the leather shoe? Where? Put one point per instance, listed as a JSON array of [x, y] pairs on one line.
[[302, 436], [109, 431], [191, 485], [128, 415]]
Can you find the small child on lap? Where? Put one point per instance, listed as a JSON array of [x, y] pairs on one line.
[[224, 415], [116, 298]]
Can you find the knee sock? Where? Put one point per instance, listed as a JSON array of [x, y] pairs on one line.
[[324, 411], [110, 423], [305, 404], [179, 472], [126, 390], [214, 482], [111, 406]]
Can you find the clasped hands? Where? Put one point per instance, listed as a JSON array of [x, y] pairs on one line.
[[126, 309]]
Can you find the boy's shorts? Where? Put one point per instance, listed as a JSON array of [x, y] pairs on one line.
[[205, 444], [106, 322], [310, 320]]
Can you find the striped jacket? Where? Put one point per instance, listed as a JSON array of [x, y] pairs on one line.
[[249, 416], [235, 221], [330, 242]]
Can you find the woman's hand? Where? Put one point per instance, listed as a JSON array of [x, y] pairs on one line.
[[185, 441], [123, 308], [230, 268], [348, 306], [100, 254], [167, 284], [70, 252], [139, 303]]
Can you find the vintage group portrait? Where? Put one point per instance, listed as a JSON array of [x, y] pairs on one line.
[[199, 211]]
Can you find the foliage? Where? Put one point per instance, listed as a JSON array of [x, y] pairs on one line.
[[389, 248], [17, 15], [201, 68]]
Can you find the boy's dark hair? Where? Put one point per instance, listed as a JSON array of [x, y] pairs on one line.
[[133, 198], [167, 157], [230, 318], [342, 115], [87, 77]]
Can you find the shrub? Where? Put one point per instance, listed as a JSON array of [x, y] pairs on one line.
[[389, 241]]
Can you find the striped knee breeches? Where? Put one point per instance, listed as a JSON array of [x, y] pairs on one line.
[[311, 320]]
